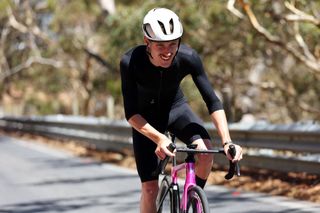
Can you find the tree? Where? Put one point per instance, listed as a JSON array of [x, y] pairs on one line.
[[41, 42], [55, 54], [297, 33], [300, 49]]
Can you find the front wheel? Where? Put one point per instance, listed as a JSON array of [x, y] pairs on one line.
[[197, 201], [168, 197]]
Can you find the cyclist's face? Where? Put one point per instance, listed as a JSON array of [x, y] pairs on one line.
[[163, 52]]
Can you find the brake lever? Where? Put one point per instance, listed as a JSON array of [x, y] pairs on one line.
[[162, 164], [234, 168]]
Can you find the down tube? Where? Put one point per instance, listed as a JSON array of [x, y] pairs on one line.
[[190, 181]]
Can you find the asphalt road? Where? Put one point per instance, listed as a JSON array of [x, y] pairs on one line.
[[35, 178]]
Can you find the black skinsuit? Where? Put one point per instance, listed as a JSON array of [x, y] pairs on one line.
[[155, 94]]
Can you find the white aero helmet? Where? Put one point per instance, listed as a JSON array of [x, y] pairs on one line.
[[161, 24]]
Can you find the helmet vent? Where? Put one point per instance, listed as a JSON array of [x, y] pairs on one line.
[[162, 27], [145, 28], [171, 26]]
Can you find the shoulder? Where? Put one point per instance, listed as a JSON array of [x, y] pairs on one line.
[[133, 54], [188, 55], [186, 51]]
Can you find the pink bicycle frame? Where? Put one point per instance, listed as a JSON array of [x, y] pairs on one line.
[[189, 180]]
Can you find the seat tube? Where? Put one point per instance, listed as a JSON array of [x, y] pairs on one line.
[[174, 179]]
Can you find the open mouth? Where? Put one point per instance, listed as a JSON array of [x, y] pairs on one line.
[[166, 57]]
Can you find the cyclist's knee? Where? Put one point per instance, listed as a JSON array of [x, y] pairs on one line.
[[205, 159], [203, 143], [150, 188]]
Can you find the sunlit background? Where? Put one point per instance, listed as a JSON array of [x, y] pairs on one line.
[[62, 57]]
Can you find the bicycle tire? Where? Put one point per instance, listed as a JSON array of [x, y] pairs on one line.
[[197, 201], [168, 200]]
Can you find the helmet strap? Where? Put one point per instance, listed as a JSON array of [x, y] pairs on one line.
[[147, 42], [148, 51], [177, 48]]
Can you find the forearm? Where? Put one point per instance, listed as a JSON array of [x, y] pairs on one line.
[[220, 121], [142, 126]]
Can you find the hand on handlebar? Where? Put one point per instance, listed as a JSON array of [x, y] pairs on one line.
[[238, 155], [162, 148], [234, 153]]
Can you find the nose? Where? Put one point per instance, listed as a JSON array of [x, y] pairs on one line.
[[169, 50]]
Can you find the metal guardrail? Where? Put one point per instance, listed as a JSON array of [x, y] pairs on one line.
[[266, 144]]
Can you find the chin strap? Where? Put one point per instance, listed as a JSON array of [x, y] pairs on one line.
[[148, 51], [177, 49], [149, 54]]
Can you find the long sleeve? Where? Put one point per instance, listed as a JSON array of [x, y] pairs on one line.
[[129, 88], [202, 82]]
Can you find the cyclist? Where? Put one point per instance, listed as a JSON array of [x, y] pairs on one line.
[[154, 103]]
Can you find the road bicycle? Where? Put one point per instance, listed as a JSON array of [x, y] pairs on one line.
[[193, 198]]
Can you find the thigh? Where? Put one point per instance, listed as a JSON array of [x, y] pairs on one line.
[[186, 125], [203, 144], [146, 159]]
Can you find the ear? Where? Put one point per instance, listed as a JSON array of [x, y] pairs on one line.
[[146, 40]]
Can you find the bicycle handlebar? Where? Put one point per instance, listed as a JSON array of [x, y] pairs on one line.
[[234, 167]]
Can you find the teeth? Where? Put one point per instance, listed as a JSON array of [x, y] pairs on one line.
[[165, 58]]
